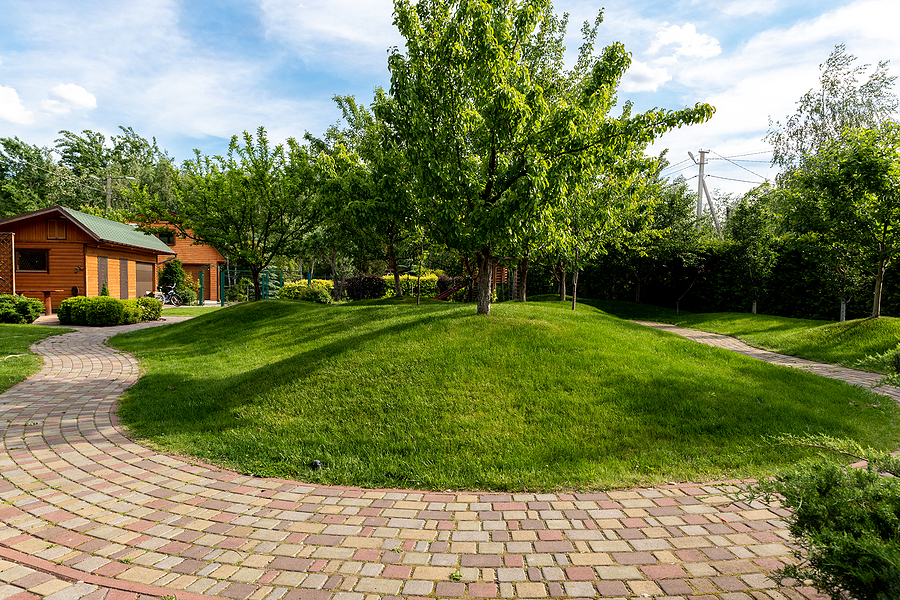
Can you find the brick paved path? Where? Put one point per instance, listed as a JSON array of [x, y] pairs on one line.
[[86, 513]]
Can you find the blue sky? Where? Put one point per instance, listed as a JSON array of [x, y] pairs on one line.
[[193, 73]]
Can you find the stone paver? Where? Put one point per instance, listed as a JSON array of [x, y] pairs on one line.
[[87, 513]]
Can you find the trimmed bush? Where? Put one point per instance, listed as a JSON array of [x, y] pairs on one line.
[[103, 311], [320, 291], [19, 309], [173, 272], [150, 309], [106, 311], [408, 285]]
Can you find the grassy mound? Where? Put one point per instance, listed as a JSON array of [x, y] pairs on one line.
[[535, 396]]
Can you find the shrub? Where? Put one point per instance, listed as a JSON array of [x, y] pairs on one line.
[[846, 521], [365, 287], [105, 311], [172, 273], [104, 291], [150, 309], [319, 291], [19, 309], [239, 291], [408, 285]]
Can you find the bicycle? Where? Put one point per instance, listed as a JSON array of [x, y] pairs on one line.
[[169, 297]]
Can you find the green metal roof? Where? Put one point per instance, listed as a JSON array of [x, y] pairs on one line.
[[114, 232]]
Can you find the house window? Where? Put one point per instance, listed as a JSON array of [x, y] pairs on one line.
[[56, 229], [32, 261], [167, 237]]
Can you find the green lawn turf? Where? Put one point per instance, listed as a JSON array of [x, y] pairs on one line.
[[188, 311], [17, 339], [534, 397], [825, 341]]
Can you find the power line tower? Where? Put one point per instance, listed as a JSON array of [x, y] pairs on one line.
[[701, 189]]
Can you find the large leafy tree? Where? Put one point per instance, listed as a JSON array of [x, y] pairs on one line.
[[366, 179], [752, 227], [486, 145], [849, 193], [27, 173], [253, 205], [843, 100]]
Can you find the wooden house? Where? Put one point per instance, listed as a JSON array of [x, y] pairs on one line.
[[196, 258], [57, 252]]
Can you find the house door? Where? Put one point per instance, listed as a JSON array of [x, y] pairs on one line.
[[123, 279], [102, 273], [143, 278]]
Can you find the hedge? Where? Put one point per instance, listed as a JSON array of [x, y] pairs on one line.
[[103, 311], [408, 284], [19, 309], [320, 291]]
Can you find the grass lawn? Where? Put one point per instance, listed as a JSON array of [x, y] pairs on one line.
[[534, 397], [188, 311], [16, 340], [826, 341]]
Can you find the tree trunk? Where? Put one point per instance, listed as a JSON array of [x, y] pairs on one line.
[[562, 283], [485, 270], [637, 291], [257, 285], [753, 307], [524, 263], [574, 288], [312, 269], [879, 282], [392, 263], [843, 310]]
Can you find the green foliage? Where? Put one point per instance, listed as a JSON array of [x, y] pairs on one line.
[[494, 143], [254, 204], [104, 291], [752, 228], [103, 311], [846, 520], [840, 103], [150, 309], [320, 291], [173, 272], [849, 193], [19, 309], [409, 285]]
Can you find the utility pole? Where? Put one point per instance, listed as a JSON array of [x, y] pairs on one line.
[[701, 189], [109, 191]]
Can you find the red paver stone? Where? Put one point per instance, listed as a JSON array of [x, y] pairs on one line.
[[663, 571], [483, 590], [580, 574]]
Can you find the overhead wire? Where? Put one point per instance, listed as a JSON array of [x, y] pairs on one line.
[[730, 178], [740, 166]]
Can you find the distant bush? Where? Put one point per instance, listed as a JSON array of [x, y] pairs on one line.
[[103, 311], [239, 291], [19, 309], [319, 291], [365, 287], [408, 283], [173, 273]]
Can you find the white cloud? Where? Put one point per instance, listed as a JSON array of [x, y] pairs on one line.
[[347, 34], [686, 40], [73, 96], [642, 77], [11, 108]]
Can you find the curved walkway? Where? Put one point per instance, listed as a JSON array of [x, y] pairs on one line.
[[87, 513]]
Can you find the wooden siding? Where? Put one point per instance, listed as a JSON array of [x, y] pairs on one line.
[[66, 269], [35, 230]]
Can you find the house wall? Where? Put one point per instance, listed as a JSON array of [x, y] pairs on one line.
[[114, 257], [65, 270]]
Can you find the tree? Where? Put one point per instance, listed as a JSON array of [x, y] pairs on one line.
[[367, 178], [485, 145], [751, 227], [841, 102], [849, 193], [253, 205], [26, 174]]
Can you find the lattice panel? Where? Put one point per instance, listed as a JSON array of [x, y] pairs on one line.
[[6, 263]]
